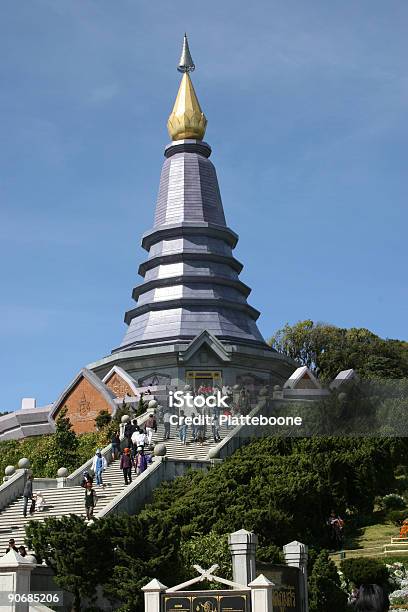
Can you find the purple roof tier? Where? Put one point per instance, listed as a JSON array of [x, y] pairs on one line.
[[191, 278]]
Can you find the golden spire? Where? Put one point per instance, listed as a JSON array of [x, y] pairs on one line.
[[187, 120]]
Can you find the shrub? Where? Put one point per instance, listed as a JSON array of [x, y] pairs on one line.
[[207, 550], [401, 470], [141, 407], [325, 592], [361, 570], [393, 501], [270, 554], [103, 419], [46, 454], [397, 516], [122, 410]]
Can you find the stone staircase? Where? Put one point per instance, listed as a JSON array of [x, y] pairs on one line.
[[59, 501], [177, 450], [70, 500]]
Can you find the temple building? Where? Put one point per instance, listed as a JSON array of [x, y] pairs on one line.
[[191, 323]]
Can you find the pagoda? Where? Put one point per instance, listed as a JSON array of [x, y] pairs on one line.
[[191, 322]]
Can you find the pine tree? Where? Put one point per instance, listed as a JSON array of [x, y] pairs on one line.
[[77, 553], [325, 592], [65, 443]]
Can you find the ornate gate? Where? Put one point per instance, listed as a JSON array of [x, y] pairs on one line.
[[207, 601]]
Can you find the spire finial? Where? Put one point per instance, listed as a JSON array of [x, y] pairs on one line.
[[187, 120], [186, 63]]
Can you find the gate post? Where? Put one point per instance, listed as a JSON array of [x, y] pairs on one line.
[[296, 555], [242, 545], [15, 573], [261, 594], [152, 592]]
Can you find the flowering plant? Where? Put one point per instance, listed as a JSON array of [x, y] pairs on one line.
[[398, 579]]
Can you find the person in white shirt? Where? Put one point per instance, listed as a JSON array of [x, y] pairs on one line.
[[135, 436], [40, 502], [140, 438]]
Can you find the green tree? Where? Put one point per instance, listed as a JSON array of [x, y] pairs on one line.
[[76, 552], [325, 592], [141, 406], [361, 570], [44, 452], [103, 419], [205, 550], [65, 444], [113, 552], [136, 559], [327, 349], [267, 485]]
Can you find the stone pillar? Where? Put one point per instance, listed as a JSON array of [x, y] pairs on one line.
[[261, 594], [296, 555], [242, 545], [152, 594], [62, 476], [15, 572]]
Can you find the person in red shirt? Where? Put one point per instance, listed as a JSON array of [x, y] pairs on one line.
[[126, 463]]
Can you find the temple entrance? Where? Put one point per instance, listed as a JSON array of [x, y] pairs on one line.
[[204, 378]]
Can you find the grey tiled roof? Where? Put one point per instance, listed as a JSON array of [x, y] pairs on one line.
[[28, 422], [191, 278]]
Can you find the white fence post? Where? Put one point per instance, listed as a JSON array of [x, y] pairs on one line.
[[242, 545], [152, 592], [296, 555], [261, 594], [15, 572]]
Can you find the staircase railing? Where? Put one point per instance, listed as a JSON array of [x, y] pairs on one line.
[[12, 488], [75, 478], [231, 442]]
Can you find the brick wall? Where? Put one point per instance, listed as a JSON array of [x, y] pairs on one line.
[[84, 403]]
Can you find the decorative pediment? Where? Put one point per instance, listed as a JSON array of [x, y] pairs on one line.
[[205, 339], [120, 382], [345, 377], [155, 379], [302, 378], [84, 398]]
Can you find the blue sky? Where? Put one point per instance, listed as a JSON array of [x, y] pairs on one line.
[[307, 104]]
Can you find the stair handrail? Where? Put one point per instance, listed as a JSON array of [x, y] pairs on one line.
[[76, 476], [234, 433], [12, 488], [123, 498]]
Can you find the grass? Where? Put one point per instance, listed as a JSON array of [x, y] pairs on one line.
[[378, 532], [374, 535], [395, 559], [370, 536]]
